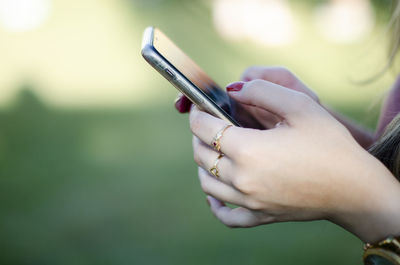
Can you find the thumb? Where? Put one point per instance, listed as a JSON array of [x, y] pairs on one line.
[[284, 102]]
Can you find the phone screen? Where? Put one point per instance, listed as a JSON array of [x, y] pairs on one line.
[[191, 70]]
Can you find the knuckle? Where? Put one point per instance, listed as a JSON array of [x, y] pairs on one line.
[[204, 184], [205, 187], [303, 101], [196, 151], [194, 122], [285, 71], [243, 184], [254, 205], [196, 157], [242, 154]]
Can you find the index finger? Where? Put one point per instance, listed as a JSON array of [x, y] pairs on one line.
[[274, 74], [206, 127]]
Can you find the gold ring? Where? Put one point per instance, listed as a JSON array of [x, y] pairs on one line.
[[214, 170], [216, 141]]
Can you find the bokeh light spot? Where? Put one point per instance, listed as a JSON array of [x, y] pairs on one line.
[[23, 15]]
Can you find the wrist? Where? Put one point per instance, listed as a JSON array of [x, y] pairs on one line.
[[378, 224], [372, 211]]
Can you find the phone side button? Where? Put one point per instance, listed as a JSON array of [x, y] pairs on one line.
[[169, 73]]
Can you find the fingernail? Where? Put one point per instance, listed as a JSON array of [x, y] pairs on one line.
[[237, 86], [186, 103], [183, 104]]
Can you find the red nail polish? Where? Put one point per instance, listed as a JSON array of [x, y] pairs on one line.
[[237, 86], [185, 104]]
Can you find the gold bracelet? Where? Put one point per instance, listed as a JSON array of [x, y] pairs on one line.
[[384, 252]]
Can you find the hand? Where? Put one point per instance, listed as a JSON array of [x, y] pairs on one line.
[[308, 168], [285, 78], [277, 75]]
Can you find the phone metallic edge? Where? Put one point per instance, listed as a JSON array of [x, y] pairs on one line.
[[180, 81]]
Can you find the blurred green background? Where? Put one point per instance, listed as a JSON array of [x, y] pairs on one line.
[[96, 165]]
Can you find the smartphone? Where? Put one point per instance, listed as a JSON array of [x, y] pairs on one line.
[[173, 64]]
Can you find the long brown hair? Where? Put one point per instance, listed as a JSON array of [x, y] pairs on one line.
[[387, 147]]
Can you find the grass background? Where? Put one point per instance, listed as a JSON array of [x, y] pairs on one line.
[[118, 185]]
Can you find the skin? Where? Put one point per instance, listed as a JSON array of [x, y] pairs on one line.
[[308, 167], [284, 77]]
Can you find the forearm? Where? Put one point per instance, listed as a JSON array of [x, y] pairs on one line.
[[362, 135]]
